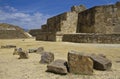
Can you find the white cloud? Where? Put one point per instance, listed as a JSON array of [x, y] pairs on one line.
[[10, 8], [26, 20]]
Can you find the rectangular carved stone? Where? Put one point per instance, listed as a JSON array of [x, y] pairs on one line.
[[101, 63], [79, 63]]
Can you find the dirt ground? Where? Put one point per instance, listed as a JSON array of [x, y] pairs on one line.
[[13, 68]]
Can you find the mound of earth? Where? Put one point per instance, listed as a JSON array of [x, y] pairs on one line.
[[9, 31]]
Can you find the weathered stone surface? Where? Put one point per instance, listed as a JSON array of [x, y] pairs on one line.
[[101, 63], [46, 36], [47, 57], [40, 50], [58, 66], [32, 50], [64, 23], [17, 51], [103, 20], [23, 55], [35, 32], [44, 28], [100, 19], [92, 38], [79, 63], [78, 9]]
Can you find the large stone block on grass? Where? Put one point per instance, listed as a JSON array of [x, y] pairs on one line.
[[101, 63], [58, 66], [47, 57], [79, 63]]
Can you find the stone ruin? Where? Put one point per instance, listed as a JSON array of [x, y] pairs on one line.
[[8, 31], [99, 24], [80, 63]]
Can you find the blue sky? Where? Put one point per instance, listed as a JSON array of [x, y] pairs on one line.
[[31, 14]]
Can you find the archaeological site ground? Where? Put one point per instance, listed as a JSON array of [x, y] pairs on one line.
[[13, 68], [79, 44]]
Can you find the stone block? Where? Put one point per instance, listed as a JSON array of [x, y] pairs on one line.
[[101, 62], [47, 57], [58, 66], [79, 63]]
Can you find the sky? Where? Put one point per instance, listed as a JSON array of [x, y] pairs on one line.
[[31, 14]]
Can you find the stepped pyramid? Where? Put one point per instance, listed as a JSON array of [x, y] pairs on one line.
[[9, 31], [98, 24]]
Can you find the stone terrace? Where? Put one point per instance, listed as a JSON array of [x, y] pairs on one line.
[[100, 20]]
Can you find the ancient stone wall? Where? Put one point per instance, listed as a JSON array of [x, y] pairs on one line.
[[46, 36], [117, 29], [55, 22], [64, 23], [35, 32], [100, 19], [44, 28], [69, 25], [86, 21], [99, 24], [92, 38], [107, 19]]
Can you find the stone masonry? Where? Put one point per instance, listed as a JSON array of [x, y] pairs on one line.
[[56, 26], [92, 38], [58, 23], [101, 20]]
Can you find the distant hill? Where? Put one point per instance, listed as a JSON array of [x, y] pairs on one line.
[[9, 31]]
